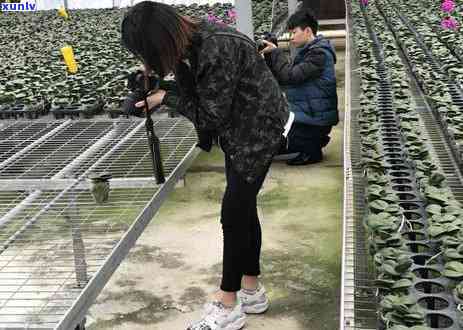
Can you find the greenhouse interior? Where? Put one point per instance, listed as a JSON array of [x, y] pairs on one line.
[[114, 215]]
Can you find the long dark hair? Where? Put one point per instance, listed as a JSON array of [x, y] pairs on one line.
[[158, 35]]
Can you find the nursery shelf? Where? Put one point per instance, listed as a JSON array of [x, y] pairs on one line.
[[58, 248]]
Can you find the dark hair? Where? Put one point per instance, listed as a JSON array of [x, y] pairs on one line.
[[303, 18], [158, 35]]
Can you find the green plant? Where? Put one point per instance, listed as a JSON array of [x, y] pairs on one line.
[[401, 310], [453, 270]]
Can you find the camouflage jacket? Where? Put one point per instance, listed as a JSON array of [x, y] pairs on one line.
[[225, 87]]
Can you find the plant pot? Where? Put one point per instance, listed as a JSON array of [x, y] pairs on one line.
[[99, 186], [113, 110]]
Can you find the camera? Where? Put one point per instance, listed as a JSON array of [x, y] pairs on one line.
[[136, 85], [136, 81], [268, 36]]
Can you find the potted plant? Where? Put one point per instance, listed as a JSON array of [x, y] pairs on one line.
[[99, 186]]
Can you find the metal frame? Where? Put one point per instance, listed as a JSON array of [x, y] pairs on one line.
[[292, 6], [347, 273], [77, 312], [244, 21], [358, 305], [31, 207], [442, 153]]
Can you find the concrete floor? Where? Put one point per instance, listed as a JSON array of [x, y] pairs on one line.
[[176, 263]]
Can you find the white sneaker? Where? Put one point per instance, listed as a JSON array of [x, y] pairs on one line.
[[255, 302], [217, 317]]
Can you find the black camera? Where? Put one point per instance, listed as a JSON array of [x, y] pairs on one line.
[[136, 81], [136, 85], [270, 37]]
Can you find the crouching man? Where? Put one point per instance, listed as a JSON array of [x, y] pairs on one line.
[[310, 84]]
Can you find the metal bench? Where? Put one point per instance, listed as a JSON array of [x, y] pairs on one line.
[[58, 248]]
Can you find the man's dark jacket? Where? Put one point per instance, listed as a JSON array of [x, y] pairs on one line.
[[225, 87], [309, 81]]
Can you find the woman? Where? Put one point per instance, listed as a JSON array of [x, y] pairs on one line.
[[226, 90]]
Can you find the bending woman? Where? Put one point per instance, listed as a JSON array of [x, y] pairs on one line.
[[226, 90]]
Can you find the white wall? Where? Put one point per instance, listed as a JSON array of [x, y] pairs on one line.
[[80, 4]]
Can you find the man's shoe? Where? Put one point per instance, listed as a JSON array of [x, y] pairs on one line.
[[218, 317], [304, 159], [254, 302], [286, 156]]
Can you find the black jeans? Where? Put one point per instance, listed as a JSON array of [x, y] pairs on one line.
[[308, 139], [242, 237]]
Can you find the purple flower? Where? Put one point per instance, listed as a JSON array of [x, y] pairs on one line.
[[449, 23], [364, 2], [448, 6], [231, 14], [211, 18]]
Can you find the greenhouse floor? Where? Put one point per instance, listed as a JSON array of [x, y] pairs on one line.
[[176, 263]]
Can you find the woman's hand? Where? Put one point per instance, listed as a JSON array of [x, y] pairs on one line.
[[269, 47], [153, 100]]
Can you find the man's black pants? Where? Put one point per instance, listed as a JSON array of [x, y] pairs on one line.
[[242, 237], [308, 139]]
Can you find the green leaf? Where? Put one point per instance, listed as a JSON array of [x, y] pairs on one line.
[[375, 191], [451, 241], [452, 254], [402, 284], [404, 265], [436, 179], [447, 218], [384, 283], [453, 210], [389, 270], [452, 274], [453, 269], [393, 208], [436, 230], [434, 209], [378, 206]]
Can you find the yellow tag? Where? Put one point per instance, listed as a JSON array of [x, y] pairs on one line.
[[69, 59], [62, 12]]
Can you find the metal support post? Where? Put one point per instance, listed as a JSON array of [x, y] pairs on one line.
[[292, 5], [244, 17], [72, 218]]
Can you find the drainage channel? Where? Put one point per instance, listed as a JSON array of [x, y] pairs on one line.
[[455, 90], [443, 148], [439, 308]]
